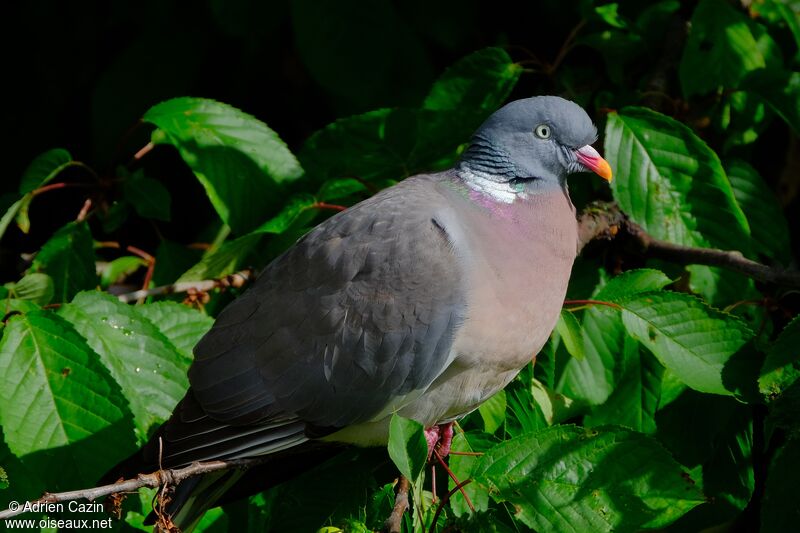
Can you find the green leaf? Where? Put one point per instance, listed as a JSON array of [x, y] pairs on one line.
[[687, 336], [782, 365], [570, 331], [183, 326], [723, 47], [493, 412], [119, 269], [237, 158], [35, 287], [148, 368], [148, 197], [408, 447], [609, 13], [11, 211], [631, 283], [388, 144], [784, 411], [480, 81], [567, 478], [781, 91], [338, 189], [55, 395], [462, 466], [68, 258], [224, 260], [291, 213], [593, 379], [43, 169], [779, 509], [3, 479], [671, 183], [634, 401], [768, 226]]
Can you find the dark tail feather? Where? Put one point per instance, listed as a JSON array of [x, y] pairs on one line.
[[190, 436], [196, 495]]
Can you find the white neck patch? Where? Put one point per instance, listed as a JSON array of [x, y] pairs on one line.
[[501, 191]]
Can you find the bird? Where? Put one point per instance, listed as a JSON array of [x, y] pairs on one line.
[[423, 301]]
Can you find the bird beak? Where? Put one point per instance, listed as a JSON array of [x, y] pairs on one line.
[[589, 158]]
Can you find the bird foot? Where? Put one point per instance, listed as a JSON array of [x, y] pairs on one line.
[[439, 438]]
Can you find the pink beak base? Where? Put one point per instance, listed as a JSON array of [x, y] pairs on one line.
[[588, 157]]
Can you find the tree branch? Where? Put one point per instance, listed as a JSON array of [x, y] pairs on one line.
[[158, 478], [237, 280], [605, 221], [394, 523]]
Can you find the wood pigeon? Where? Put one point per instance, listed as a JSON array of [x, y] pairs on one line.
[[424, 300]]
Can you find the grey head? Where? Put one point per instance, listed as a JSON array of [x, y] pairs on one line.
[[536, 141]]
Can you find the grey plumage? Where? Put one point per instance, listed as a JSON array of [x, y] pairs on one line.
[[423, 300]]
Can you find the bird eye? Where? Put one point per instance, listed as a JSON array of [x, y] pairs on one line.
[[542, 131]]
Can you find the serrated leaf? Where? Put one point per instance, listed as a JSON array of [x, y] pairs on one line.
[[35, 287], [148, 368], [480, 81], [68, 258], [237, 158], [687, 336], [779, 509], [43, 169], [341, 188], [120, 268], [407, 446], [782, 365], [768, 226], [632, 282], [670, 182], [493, 412], [593, 379], [567, 478], [57, 396], [182, 325], [570, 331], [148, 197], [723, 47], [634, 401], [224, 260]]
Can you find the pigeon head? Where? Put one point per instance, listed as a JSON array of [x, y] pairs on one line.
[[534, 141]]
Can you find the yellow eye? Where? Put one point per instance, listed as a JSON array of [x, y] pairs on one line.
[[542, 131]]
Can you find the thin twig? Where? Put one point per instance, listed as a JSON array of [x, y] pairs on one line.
[[159, 478], [446, 499], [237, 280], [394, 523], [143, 151], [590, 303], [454, 478], [332, 207], [60, 185]]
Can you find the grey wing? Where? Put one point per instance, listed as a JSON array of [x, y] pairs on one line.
[[363, 309]]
